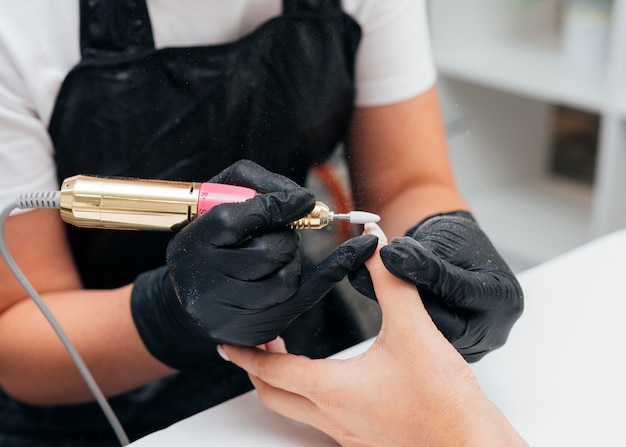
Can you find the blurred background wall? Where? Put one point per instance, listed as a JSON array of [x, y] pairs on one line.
[[535, 108]]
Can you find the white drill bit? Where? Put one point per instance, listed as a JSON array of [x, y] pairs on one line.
[[355, 217]]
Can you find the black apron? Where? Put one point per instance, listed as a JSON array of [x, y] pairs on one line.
[[281, 96]]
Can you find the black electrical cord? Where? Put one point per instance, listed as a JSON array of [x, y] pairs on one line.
[[51, 200]]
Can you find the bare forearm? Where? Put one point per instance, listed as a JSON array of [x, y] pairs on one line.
[[399, 163], [413, 205], [36, 368]]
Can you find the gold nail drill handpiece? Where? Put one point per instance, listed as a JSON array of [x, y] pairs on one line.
[[138, 204]]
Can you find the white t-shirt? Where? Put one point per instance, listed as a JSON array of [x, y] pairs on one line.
[[39, 45]]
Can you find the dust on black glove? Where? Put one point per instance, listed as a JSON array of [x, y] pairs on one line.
[[234, 274], [470, 292]]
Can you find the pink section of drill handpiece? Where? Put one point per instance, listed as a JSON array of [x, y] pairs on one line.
[[212, 194]]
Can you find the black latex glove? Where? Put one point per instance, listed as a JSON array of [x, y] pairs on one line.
[[234, 274], [468, 289]]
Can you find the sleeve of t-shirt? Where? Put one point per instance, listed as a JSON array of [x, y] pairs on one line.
[[26, 162], [394, 59]]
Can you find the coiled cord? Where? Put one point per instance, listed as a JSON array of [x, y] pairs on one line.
[[51, 199], [43, 199]]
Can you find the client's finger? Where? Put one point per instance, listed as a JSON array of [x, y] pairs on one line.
[[399, 301], [282, 380], [286, 371], [285, 403]]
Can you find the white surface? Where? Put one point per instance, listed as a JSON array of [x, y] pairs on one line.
[[559, 379], [242, 421]]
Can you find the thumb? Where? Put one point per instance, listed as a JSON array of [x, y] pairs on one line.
[[399, 301]]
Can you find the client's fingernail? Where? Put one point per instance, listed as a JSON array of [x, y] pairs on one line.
[[372, 228], [222, 353]]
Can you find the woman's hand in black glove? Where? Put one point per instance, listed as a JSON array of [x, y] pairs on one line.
[[466, 286], [234, 274]]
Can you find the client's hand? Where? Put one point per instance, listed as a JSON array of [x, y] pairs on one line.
[[468, 289], [234, 274], [411, 388]]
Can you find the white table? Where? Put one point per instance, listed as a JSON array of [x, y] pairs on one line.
[[560, 379]]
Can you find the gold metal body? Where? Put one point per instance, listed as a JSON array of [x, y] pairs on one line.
[[316, 219], [128, 204], [137, 204]]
